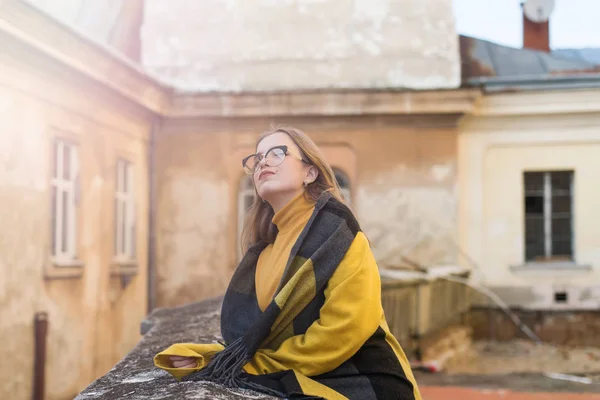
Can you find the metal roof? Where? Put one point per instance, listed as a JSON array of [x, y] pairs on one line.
[[486, 63], [591, 55]]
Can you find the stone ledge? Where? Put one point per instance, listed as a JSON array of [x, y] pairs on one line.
[[135, 376]]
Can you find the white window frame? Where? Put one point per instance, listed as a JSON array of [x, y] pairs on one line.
[[125, 219], [246, 191], [64, 190]]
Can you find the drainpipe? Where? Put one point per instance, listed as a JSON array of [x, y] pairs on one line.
[[151, 216], [40, 326], [417, 331]]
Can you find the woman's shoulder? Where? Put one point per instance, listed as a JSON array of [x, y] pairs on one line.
[[342, 211], [360, 245], [358, 261]]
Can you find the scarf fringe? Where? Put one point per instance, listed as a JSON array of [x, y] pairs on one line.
[[226, 369]]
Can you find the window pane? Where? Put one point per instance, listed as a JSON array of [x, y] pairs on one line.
[[54, 238], [534, 250], [55, 156], [248, 183], [120, 176], [125, 176], [64, 221], [534, 205], [66, 166], [534, 182], [561, 181], [561, 204], [116, 222], [561, 227], [342, 181], [562, 248], [248, 200], [534, 228], [534, 237], [123, 226]]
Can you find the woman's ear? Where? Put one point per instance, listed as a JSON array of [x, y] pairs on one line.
[[312, 173]]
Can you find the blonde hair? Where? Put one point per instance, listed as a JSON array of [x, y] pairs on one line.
[[258, 224]]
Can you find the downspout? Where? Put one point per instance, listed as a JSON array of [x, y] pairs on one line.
[[40, 328], [417, 332], [151, 215]]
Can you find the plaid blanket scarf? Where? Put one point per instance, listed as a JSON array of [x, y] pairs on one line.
[[374, 372]]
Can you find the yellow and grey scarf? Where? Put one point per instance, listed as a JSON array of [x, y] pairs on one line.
[[374, 372]]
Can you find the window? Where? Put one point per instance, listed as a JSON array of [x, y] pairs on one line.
[[245, 199], [124, 212], [344, 183], [548, 215], [64, 201]]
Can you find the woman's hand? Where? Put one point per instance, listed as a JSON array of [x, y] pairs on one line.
[[183, 362]]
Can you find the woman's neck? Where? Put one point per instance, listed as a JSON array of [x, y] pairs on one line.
[[293, 214], [283, 199]]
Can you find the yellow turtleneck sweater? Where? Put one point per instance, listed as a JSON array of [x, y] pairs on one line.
[[290, 221]]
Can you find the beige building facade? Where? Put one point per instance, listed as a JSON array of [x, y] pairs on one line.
[[529, 164], [74, 192]]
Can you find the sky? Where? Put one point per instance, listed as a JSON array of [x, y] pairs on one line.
[[573, 24]]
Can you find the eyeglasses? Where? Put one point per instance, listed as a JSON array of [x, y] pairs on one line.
[[273, 157]]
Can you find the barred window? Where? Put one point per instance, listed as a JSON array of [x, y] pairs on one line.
[[548, 215]]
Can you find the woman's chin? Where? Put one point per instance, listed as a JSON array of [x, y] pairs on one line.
[[272, 192]]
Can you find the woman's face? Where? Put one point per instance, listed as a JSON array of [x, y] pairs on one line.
[[279, 184]]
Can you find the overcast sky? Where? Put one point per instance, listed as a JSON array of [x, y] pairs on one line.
[[574, 23]]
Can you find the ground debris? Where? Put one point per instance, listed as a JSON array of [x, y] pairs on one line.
[[522, 356]]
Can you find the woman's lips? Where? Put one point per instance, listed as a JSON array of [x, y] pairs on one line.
[[265, 174]]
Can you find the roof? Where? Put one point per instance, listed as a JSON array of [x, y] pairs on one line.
[[591, 55], [487, 63]]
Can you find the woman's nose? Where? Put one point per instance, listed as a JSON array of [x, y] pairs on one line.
[[263, 162]]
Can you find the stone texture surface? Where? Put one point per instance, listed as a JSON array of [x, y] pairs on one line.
[[521, 386], [136, 377], [237, 45]]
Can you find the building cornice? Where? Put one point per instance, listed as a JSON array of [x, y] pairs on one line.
[[521, 103], [324, 103]]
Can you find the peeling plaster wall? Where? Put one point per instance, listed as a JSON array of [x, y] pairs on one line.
[[235, 45], [93, 319], [403, 191], [194, 259]]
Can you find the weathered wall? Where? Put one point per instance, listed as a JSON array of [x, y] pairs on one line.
[[494, 151], [237, 45], [403, 190], [93, 319]]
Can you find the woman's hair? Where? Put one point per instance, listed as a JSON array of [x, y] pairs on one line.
[[258, 224]]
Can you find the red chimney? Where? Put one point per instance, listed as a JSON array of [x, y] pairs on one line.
[[536, 35]]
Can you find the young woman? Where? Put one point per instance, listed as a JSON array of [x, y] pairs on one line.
[[302, 316]]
